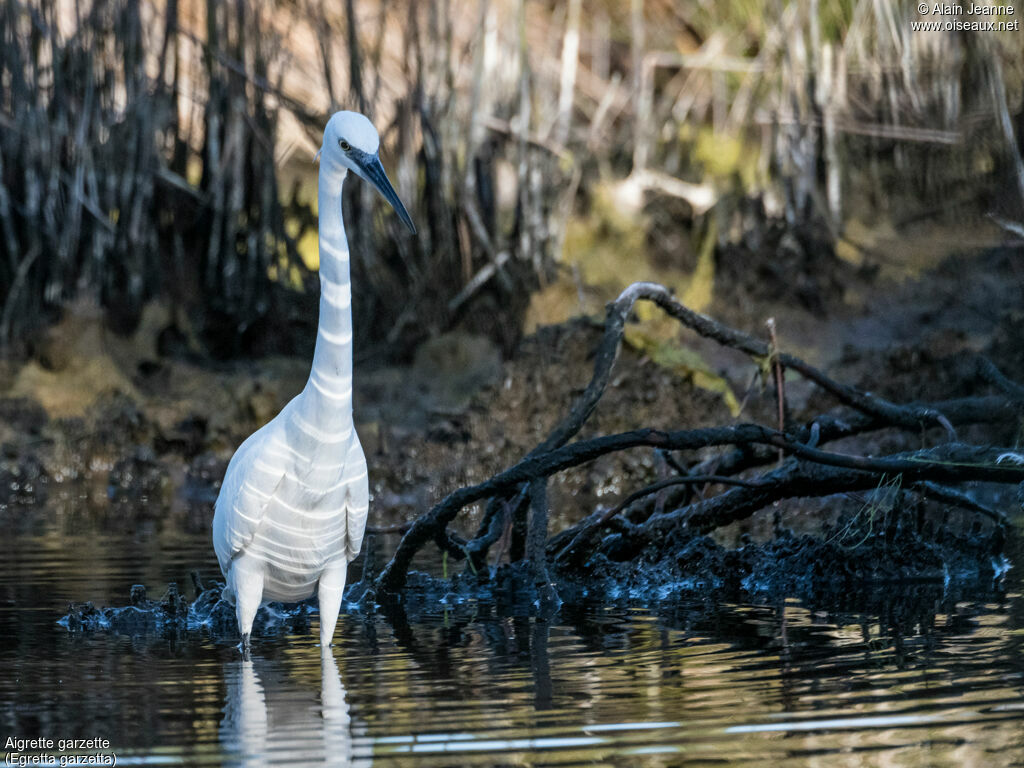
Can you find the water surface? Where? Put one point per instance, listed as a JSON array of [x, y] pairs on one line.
[[920, 677]]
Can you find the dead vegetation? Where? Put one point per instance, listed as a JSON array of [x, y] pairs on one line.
[[159, 150], [736, 483]]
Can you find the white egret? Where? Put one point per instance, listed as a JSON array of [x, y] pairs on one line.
[[292, 508]]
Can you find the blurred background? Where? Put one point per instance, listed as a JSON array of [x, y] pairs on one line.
[[816, 161], [157, 160]]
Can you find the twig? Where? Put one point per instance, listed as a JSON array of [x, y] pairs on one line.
[[780, 392], [492, 526], [1013, 227], [395, 528], [875, 409], [951, 462], [11, 299], [896, 415], [988, 371], [537, 535], [956, 498], [953, 467], [502, 127], [581, 534], [486, 272], [836, 426]]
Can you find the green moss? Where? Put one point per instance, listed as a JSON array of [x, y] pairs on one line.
[[726, 158], [682, 361]]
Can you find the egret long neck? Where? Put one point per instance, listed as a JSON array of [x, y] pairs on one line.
[[327, 399]]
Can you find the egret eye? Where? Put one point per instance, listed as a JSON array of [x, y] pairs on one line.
[[344, 145]]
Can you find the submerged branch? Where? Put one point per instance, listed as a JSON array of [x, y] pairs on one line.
[[534, 467], [953, 462]]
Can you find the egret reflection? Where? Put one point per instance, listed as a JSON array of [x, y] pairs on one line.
[[274, 718]]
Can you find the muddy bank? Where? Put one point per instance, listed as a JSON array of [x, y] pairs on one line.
[[157, 438], [152, 446]]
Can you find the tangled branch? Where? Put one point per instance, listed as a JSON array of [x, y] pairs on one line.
[[809, 470]]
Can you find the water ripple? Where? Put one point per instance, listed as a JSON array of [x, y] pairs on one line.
[[925, 679]]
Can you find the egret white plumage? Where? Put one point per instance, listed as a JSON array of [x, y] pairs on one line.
[[292, 509]]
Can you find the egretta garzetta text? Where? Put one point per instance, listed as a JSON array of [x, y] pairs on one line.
[[292, 509]]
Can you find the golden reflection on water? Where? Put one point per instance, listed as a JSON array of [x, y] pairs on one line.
[[922, 678]]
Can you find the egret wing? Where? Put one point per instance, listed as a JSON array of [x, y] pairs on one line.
[[358, 496], [249, 485]]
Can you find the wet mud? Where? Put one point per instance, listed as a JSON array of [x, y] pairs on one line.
[[152, 446], [889, 563]]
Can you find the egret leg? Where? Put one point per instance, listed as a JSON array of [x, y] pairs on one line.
[[331, 588], [247, 585]]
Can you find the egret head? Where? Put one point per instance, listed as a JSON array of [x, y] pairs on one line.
[[351, 143]]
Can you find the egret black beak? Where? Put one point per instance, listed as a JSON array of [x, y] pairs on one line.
[[373, 172]]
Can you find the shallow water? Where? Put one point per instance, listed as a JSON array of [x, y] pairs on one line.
[[923, 679]]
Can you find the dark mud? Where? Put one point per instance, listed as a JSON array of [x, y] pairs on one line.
[[801, 268], [804, 566], [174, 615], [157, 446], [154, 444], [841, 571]]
